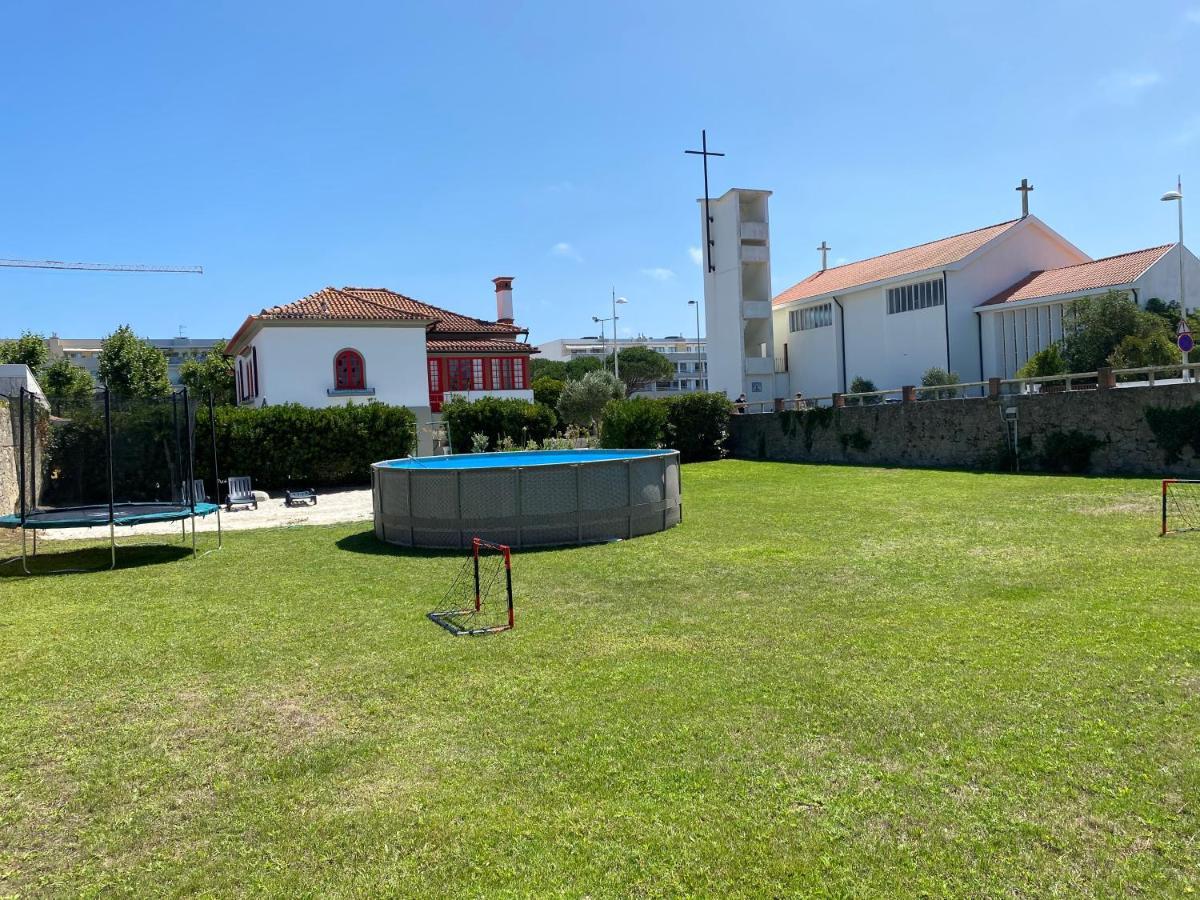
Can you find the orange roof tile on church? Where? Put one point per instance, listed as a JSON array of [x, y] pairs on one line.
[[896, 264], [1112, 271]]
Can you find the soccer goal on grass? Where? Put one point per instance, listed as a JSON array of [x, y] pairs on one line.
[[480, 599], [1180, 505]]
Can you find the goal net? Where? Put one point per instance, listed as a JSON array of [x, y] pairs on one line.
[[1180, 505], [480, 599]]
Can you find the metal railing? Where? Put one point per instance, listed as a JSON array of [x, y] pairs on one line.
[[1146, 376]]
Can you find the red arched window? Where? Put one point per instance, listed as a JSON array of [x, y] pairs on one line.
[[349, 371]]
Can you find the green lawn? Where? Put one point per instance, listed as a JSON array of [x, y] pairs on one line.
[[836, 681]]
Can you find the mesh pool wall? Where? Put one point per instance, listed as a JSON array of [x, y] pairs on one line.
[[536, 506]]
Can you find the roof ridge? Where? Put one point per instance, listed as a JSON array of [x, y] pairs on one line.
[[948, 237], [347, 293]]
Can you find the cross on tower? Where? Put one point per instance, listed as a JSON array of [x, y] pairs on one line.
[[704, 153], [824, 248], [1024, 187]]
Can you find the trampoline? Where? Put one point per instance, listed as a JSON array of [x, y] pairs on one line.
[[103, 462]]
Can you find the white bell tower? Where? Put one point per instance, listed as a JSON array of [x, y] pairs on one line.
[[737, 295]]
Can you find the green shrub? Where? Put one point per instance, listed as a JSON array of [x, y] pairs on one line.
[[293, 445], [498, 418], [698, 425], [1069, 451], [635, 423], [1043, 363], [860, 385], [546, 390]]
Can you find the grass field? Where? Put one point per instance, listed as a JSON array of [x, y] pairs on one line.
[[835, 681]]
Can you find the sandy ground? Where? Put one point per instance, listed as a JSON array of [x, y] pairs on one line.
[[332, 506]]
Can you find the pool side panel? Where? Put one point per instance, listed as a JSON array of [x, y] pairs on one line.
[[533, 506]]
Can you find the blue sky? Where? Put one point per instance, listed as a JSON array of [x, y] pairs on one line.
[[430, 147]]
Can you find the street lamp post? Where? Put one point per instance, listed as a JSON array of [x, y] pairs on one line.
[[616, 349], [1177, 196], [699, 353], [603, 342]]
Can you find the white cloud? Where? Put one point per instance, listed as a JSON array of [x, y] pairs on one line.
[[1127, 85], [840, 261], [696, 255], [566, 251], [659, 274]]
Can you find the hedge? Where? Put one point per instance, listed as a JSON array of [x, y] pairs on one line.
[[293, 445], [696, 424], [637, 422], [498, 418]]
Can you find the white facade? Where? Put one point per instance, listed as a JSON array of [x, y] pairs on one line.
[[861, 338], [737, 295], [686, 355], [1012, 332], [294, 363]]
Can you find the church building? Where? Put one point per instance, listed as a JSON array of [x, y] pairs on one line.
[[361, 344], [978, 303]]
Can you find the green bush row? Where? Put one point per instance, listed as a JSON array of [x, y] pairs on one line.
[[293, 445], [496, 417], [697, 425]]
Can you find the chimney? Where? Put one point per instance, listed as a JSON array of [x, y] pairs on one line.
[[504, 307]]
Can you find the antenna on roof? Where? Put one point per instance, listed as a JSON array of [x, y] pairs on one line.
[[1024, 187]]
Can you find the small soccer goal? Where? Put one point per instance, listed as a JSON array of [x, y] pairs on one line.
[[1180, 505], [480, 599]]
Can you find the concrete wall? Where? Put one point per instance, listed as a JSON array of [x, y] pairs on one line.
[[9, 479], [295, 364], [970, 434]]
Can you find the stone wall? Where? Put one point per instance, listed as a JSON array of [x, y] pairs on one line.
[[1098, 431]]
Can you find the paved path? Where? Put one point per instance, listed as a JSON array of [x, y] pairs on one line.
[[333, 506]]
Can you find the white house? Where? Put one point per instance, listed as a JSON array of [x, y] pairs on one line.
[[978, 303], [352, 343]]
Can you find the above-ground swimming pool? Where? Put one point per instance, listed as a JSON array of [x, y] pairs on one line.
[[533, 498]]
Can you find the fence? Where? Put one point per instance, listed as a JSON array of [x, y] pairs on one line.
[[993, 388]]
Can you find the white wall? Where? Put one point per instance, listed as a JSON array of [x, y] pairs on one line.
[[295, 363], [814, 356], [1161, 280], [1028, 247]]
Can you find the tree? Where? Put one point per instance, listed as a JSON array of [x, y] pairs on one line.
[[1043, 363], [1096, 326], [547, 390], [1139, 351], [29, 350], [935, 376], [862, 385], [641, 366], [581, 365], [582, 402], [547, 368], [62, 380], [211, 375], [132, 367]]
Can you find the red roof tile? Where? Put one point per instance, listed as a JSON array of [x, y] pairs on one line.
[[445, 320], [487, 345], [330, 303], [1112, 271], [932, 255]]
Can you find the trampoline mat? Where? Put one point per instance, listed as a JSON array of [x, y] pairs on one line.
[[92, 516]]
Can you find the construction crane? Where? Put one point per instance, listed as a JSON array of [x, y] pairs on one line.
[[97, 267]]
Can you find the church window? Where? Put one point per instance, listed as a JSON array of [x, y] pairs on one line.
[[349, 371], [819, 316], [921, 295]]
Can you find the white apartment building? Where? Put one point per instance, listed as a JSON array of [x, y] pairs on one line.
[[85, 352], [685, 354]]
